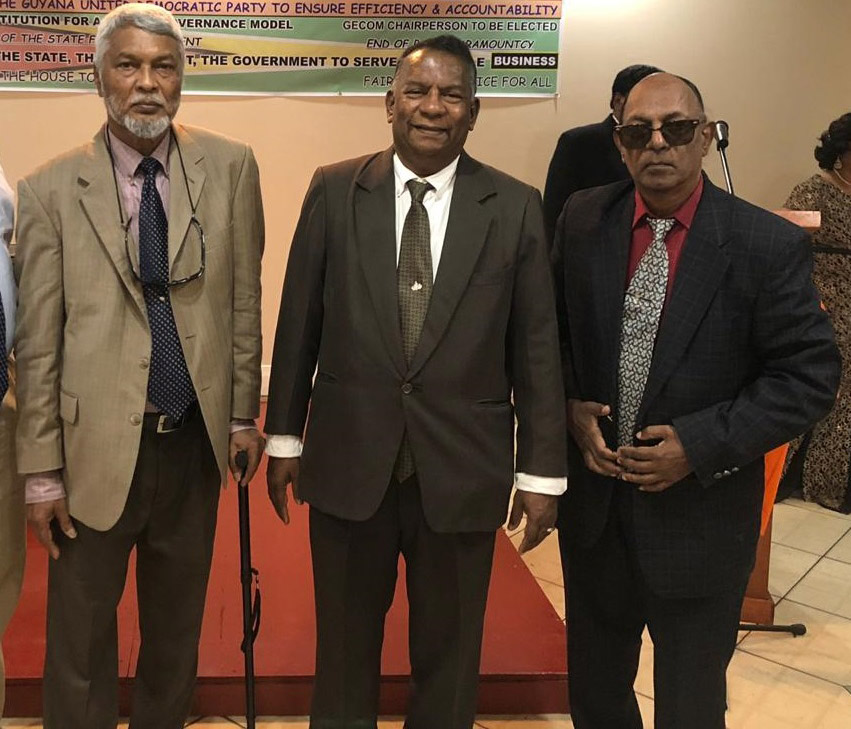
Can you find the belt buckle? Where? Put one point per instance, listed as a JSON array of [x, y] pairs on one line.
[[166, 424]]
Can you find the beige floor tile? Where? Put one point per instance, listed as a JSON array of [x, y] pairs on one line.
[[824, 652], [813, 506], [645, 706], [842, 551], [544, 562], [787, 566], [764, 695], [807, 529], [644, 679], [20, 723], [826, 587], [555, 594], [543, 721]]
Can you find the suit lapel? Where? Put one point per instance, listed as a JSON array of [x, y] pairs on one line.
[[609, 280], [99, 199], [179, 205], [374, 207], [466, 233], [700, 271]]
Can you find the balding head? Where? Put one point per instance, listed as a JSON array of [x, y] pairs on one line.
[[667, 167], [658, 81]]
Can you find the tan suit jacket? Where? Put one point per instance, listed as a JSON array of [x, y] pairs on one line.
[[12, 520], [83, 343]]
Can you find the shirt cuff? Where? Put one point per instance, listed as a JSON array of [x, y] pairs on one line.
[[237, 424], [283, 446], [46, 486], [546, 485]]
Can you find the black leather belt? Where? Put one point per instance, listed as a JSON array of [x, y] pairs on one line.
[[162, 423]]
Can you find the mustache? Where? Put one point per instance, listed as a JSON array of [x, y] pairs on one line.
[[147, 99]]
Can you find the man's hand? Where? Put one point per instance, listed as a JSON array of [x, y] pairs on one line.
[[250, 441], [40, 517], [583, 426], [279, 473], [655, 468], [540, 510]]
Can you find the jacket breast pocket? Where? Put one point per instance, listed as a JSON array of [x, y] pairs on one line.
[[68, 407], [492, 277]]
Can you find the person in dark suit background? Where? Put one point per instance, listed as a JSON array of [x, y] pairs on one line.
[[692, 344], [587, 156], [422, 367]]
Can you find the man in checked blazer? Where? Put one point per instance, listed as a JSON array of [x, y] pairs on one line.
[[135, 397], [660, 530], [448, 396]]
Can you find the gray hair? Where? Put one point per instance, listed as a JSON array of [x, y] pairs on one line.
[[151, 18]]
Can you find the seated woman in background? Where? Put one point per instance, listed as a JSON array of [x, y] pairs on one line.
[[820, 465]]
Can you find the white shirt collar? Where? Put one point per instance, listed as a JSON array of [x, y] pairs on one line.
[[441, 181]]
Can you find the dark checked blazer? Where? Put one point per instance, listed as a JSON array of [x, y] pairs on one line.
[[584, 157], [488, 351], [744, 361]]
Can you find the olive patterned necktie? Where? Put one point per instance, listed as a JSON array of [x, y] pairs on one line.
[[414, 280], [642, 310]]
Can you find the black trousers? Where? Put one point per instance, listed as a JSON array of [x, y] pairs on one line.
[[354, 572], [608, 606], [170, 519]]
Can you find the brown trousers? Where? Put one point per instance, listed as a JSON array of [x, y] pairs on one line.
[[170, 518], [12, 527]]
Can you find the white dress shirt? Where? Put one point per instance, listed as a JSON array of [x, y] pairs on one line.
[[437, 203], [7, 276]]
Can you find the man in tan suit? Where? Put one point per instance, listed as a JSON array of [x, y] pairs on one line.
[[12, 542], [139, 338]]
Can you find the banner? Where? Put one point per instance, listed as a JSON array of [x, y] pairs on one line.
[[290, 47]]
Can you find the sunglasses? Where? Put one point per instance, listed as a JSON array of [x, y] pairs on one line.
[[676, 133]]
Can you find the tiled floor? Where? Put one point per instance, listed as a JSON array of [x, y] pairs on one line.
[[775, 681]]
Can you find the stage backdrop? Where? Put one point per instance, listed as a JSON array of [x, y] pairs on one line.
[[769, 67], [337, 47]]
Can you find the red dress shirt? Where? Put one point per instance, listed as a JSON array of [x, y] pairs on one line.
[[642, 235]]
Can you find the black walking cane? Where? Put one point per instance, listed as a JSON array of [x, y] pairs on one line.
[[247, 575]]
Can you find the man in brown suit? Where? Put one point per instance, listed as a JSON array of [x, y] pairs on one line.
[[422, 366], [12, 541], [139, 345]]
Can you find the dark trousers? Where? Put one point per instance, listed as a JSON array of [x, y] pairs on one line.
[[608, 605], [170, 518], [354, 572]]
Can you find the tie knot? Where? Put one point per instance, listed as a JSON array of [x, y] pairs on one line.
[[418, 189], [660, 226], [149, 166]]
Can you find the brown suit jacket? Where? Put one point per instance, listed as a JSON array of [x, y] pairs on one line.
[[83, 343], [488, 349]]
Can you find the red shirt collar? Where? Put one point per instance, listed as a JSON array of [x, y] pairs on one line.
[[684, 215]]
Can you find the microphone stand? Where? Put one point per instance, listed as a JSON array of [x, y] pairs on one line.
[[722, 135]]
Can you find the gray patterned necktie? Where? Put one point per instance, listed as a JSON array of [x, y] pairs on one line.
[[642, 310], [414, 284]]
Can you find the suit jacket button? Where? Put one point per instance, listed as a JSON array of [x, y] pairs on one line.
[[407, 388], [735, 469], [144, 362], [717, 476], [727, 473], [135, 419]]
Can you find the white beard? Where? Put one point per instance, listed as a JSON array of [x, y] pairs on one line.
[[142, 128]]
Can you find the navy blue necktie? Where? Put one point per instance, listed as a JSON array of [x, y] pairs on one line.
[[4, 355], [169, 384]]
